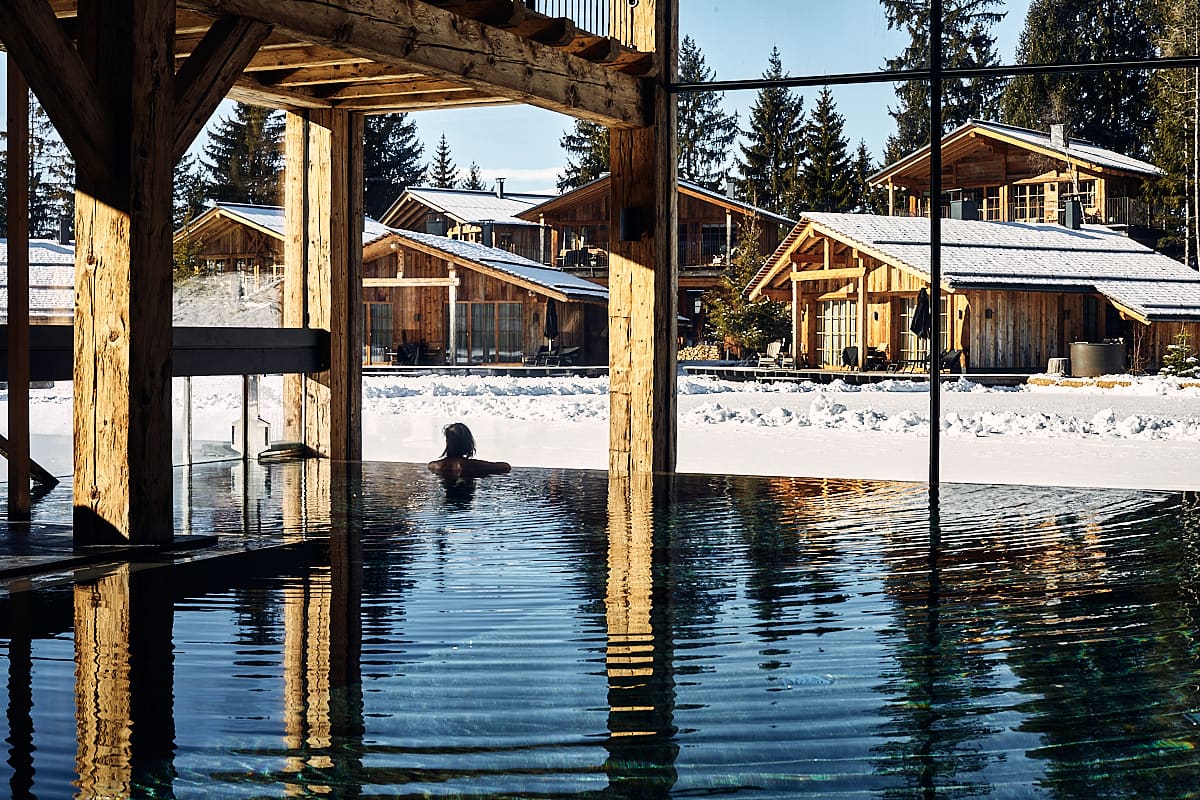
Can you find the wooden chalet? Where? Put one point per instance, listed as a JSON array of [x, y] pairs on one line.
[[580, 232], [236, 237], [487, 218], [129, 84], [51, 282], [1014, 295], [1003, 173], [419, 287]]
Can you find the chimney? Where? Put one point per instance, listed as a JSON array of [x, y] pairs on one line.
[[64, 230], [1073, 214], [500, 187], [487, 232], [435, 225]]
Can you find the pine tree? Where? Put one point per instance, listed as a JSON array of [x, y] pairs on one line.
[[1179, 360], [189, 194], [774, 145], [865, 199], [51, 176], [966, 42], [1175, 146], [1108, 108], [391, 160], [706, 133], [825, 180], [243, 160], [587, 149], [442, 172], [733, 318], [474, 180]]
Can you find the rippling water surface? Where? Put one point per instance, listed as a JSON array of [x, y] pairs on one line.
[[547, 635]]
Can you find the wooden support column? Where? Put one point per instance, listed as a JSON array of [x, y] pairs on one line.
[[122, 374], [18, 295], [323, 276], [643, 275]]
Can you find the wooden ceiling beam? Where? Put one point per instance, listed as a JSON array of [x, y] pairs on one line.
[[430, 102], [391, 89], [249, 90], [202, 82], [66, 90], [342, 74], [421, 36]]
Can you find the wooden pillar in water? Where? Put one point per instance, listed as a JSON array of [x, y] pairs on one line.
[[18, 295], [643, 275], [122, 371], [323, 277]]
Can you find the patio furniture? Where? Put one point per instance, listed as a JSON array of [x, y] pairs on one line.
[[771, 357], [850, 357], [538, 359], [877, 359], [951, 361]]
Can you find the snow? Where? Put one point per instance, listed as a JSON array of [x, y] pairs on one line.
[[1142, 436]]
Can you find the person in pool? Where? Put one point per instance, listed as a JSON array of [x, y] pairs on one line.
[[457, 461]]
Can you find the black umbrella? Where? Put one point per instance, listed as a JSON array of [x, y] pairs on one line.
[[921, 320], [550, 331]]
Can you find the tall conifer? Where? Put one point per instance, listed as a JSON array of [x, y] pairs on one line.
[[442, 172], [587, 149], [243, 158], [474, 179], [774, 145], [706, 133], [826, 178], [1108, 108], [967, 42], [866, 200], [391, 160]]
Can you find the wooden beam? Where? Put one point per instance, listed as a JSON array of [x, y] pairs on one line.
[[122, 339], [209, 73], [63, 84], [381, 283], [17, 446], [804, 276], [248, 90], [420, 36]]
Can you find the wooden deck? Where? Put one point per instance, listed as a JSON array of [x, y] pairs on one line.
[[487, 370], [736, 372]]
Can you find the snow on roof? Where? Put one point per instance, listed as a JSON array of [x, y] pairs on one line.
[[1029, 256], [272, 218], [1079, 148], [474, 206], [51, 279], [572, 287]]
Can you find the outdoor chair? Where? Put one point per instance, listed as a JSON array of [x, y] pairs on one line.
[[786, 360], [876, 359], [951, 361], [771, 357], [538, 358], [850, 357]]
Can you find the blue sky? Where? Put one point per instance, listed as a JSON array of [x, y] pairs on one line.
[[813, 36]]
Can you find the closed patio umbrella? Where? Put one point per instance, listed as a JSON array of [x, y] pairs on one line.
[[550, 331], [921, 321]]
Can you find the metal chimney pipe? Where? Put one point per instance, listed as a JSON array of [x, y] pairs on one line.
[[500, 187]]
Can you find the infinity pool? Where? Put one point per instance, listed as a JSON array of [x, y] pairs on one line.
[[542, 636]]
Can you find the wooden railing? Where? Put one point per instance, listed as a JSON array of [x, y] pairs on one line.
[[601, 17]]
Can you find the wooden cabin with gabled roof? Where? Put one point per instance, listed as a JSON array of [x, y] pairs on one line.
[[487, 218], [419, 287], [1014, 295], [580, 230], [129, 84], [1004, 173]]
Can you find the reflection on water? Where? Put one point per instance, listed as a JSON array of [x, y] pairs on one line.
[[549, 634]]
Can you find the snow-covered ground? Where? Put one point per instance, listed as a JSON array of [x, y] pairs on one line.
[[1146, 435]]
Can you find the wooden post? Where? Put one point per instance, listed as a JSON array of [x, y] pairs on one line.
[[18, 295], [323, 276], [452, 307], [863, 317], [796, 323], [122, 375], [643, 275]]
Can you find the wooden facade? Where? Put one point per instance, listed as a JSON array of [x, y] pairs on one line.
[[844, 292], [222, 240], [580, 231], [1010, 174], [500, 318]]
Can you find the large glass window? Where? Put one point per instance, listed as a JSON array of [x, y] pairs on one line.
[[377, 332], [916, 348], [837, 323], [991, 204], [489, 333], [1029, 202]]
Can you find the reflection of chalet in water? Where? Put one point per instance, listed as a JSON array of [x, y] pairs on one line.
[[579, 229], [51, 282], [1014, 295], [418, 287], [1002, 173], [488, 218]]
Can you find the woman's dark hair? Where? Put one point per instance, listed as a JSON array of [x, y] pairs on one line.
[[459, 441]]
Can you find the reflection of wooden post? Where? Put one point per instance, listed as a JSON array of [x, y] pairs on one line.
[[641, 685], [643, 275], [323, 276], [123, 683]]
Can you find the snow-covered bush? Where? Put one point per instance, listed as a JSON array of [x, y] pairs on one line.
[[1179, 361]]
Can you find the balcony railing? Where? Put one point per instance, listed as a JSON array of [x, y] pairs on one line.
[[601, 17]]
